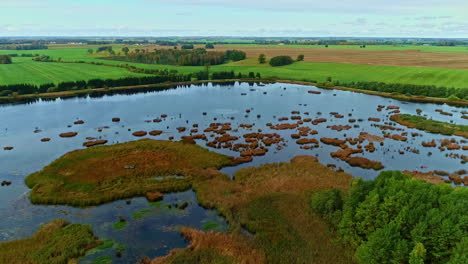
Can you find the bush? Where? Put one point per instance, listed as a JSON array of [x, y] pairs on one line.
[[209, 46], [187, 46], [453, 98], [281, 61], [5, 59], [300, 57]]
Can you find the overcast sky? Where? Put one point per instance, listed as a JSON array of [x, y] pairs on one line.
[[302, 18]]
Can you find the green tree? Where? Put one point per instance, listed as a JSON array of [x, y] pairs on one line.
[[300, 57], [90, 51], [125, 50], [262, 58], [418, 254], [209, 46]]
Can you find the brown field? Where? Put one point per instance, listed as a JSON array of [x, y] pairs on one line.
[[414, 58]]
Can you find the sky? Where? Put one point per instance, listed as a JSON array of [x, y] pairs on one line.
[[260, 18]]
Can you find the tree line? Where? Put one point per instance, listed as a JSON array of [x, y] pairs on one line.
[[160, 76], [25, 47], [184, 57], [407, 89], [398, 219]]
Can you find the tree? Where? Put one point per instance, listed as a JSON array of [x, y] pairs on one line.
[[300, 57], [262, 58], [418, 254], [125, 50], [280, 61], [90, 51], [209, 46]]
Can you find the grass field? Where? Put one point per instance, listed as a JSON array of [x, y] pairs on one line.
[[24, 70]]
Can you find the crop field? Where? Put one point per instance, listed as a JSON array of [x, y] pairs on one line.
[[455, 49], [408, 57], [24, 70], [346, 65]]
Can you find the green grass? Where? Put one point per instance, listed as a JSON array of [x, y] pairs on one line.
[[56, 242], [140, 214], [210, 226], [120, 225], [24, 70]]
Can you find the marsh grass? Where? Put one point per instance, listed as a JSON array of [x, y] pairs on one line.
[[431, 126], [56, 242], [97, 175], [272, 202]]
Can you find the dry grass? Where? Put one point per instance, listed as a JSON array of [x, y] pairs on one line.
[[272, 202], [239, 248], [413, 58], [363, 56]]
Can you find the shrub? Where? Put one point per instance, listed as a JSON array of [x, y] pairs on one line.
[[300, 57], [209, 46], [187, 46], [5, 59], [281, 61]]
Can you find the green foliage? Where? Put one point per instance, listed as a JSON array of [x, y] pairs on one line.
[[300, 57], [120, 225], [105, 49], [418, 254], [209, 46], [103, 260], [281, 61], [211, 225], [183, 57], [140, 214], [261, 58], [398, 219], [328, 204], [5, 59], [235, 55], [187, 46]]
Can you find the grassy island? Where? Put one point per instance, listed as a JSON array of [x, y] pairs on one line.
[[107, 173], [430, 126], [55, 242]]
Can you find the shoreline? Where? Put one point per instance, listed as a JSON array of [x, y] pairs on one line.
[[155, 87]]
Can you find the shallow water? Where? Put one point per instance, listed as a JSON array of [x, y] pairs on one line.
[[154, 234]]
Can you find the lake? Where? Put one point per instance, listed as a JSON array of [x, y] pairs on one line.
[[154, 233]]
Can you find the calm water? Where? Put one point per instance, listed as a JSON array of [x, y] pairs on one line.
[[155, 234]]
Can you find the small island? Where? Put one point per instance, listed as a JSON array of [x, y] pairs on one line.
[[430, 126], [107, 173]]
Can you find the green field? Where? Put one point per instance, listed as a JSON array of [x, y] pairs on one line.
[[24, 70]]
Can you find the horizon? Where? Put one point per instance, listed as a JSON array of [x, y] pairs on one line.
[[258, 18]]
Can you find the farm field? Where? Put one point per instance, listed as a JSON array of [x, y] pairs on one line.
[[356, 66], [408, 57], [24, 70], [448, 49]]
